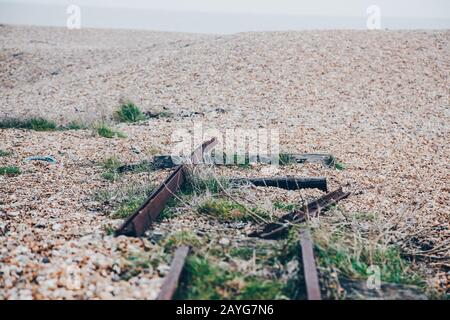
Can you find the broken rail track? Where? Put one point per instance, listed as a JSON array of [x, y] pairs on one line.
[[139, 222], [136, 224]]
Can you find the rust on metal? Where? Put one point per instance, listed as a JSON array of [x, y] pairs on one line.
[[171, 280], [309, 267], [313, 209], [136, 224], [197, 156]]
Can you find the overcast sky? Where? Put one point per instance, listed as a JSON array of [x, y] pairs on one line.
[[393, 8], [229, 16]]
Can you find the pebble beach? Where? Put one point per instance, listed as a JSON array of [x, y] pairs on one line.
[[378, 101]]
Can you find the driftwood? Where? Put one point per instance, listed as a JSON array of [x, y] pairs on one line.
[[289, 183], [312, 209]]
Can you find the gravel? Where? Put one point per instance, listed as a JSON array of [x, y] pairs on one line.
[[378, 101]]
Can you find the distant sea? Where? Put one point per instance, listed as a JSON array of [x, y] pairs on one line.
[[198, 22]]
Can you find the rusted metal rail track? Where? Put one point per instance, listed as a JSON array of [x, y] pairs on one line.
[[173, 277], [140, 221], [309, 267], [136, 224], [313, 209]]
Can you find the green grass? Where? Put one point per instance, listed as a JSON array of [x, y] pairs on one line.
[[242, 161], [212, 185], [284, 159], [173, 206], [339, 166], [41, 124], [4, 153], [180, 238], [14, 123], [110, 176], [204, 281], [134, 265], [229, 211], [123, 202], [129, 112], [109, 229], [334, 163], [354, 262], [75, 125], [128, 207], [131, 201], [9, 171], [288, 207], [103, 130], [110, 165], [244, 253], [224, 210], [37, 124]]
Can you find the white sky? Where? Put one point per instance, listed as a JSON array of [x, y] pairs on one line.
[[338, 8]]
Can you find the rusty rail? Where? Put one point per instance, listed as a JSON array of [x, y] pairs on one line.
[[140, 221], [309, 267], [171, 280], [136, 224], [313, 209]]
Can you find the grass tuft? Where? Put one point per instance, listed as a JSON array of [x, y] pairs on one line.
[[103, 130], [129, 112], [229, 211], [334, 163], [204, 281], [284, 159], [110, 165], [351, 251], [180, 238], [4, 153], [9, 171], [75, 125], [131, 200], [288, 207], [224, 210], [134, 265], [128, 207], [41, 124], [210, 184], [37, 124]]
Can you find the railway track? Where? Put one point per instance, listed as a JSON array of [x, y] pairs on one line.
[[140, 221]]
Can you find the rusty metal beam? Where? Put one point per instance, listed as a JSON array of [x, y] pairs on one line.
[[136, 224], [313, 209], [171, 280], [309, 267]]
